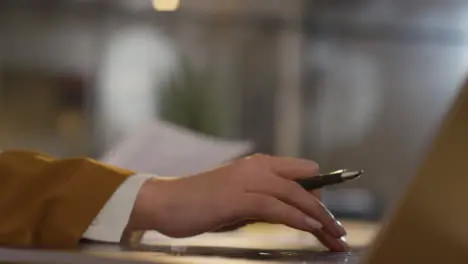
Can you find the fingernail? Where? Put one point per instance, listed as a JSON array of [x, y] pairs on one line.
[[314, 224], [340, 245], [344, 243], [341, 229], [337, 230]]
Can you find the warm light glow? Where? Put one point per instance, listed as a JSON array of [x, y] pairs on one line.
[[166, 5]]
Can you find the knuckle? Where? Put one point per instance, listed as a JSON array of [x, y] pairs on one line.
[[254, 163], [253, 171], [314, 165], [260, 158]]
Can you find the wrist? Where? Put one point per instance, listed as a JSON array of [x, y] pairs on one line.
[[148, 206], [140, 218]]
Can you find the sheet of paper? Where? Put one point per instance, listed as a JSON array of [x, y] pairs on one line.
[[165, 149]]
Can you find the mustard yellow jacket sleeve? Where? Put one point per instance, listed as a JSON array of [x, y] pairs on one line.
[[48, 202]]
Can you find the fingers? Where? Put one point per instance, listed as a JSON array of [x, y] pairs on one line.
[[317, 193], [275, 211], [290, 168], [294, 195], [277, 185], [332, 243]]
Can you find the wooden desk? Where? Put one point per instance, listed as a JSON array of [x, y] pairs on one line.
[[251, 240], [259, 243]]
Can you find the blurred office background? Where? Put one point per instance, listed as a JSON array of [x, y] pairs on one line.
[[355, 83]]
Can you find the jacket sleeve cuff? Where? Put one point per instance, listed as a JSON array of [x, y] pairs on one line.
[[110, 223], [85, 189]]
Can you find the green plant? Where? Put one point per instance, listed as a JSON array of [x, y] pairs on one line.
[[189, 100]]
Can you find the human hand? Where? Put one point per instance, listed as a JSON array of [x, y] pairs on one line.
[[258, 187]]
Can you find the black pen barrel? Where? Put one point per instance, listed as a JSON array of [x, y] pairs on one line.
[[318, 182]]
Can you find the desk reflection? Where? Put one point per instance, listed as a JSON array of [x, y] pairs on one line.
[[237, 255]]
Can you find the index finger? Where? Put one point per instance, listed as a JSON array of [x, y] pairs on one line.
[[296, 196], [293, 168]]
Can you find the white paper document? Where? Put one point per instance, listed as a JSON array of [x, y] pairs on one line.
[[165, 149]]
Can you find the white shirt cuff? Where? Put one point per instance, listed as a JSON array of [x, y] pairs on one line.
[[110, 223]]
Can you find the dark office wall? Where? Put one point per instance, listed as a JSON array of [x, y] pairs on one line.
[[374, 100]]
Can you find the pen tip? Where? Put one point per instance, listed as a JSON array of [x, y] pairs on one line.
[[349, 175]]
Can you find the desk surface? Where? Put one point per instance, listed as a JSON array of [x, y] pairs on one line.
[[258, 243]]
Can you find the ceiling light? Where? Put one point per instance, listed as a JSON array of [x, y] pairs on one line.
[[166, 5]]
